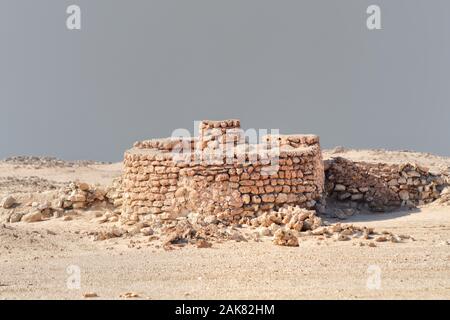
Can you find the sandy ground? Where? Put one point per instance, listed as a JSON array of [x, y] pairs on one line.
[[35, 257]]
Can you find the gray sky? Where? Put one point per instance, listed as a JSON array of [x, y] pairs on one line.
[[139, 69]]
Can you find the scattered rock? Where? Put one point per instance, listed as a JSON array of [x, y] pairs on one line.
[[8, 202], [343, 237], [203, 244], [34, 216], [16, 217], [238, 237], [285, 238], [381, 239], [147, 231], [90, 295], [129, 295]]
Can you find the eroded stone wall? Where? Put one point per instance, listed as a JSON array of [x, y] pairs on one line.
[[381, 186]]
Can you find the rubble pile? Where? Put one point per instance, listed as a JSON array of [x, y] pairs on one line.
[[288, 224], [69, 200]]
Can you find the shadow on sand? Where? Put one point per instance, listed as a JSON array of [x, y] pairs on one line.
[[369, 216]]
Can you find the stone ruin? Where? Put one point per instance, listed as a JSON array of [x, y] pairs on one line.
[[381, 186], [202, 188], [220, 174], [195, 188]]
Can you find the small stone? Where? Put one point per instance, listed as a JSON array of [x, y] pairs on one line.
[[8, 202], [319, 231], [67, 218], [372, 244], [203, 244], [344, 195], [44, 206], [34, 216], [77, 197], [90, 295], [147, 231], [238, 237], [83, 186], [343, 237], [117, 232], [381, 239], [404, 195], [339, 187], [15, 217], [285, 238], [395, 239], [357, 196]]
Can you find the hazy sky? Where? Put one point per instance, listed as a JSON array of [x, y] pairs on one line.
[[139, 69]]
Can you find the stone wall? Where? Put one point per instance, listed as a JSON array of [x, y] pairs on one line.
[[380, 186], [161, 184]]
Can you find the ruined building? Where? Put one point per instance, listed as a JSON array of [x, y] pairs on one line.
[[219, 173]]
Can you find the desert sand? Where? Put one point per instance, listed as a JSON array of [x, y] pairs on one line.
[[35, 257]]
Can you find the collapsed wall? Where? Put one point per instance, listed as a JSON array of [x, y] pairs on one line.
[[380, 186], [218, 173]]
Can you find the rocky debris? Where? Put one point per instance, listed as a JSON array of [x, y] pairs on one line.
[[107, 216], [90, 295], [181, 232], [381, 186], [129, 295], [289, 217], [8, 202], [284, 237], [48, 162], [75, 196], [302, 223], [80, 195], [71, 198]]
